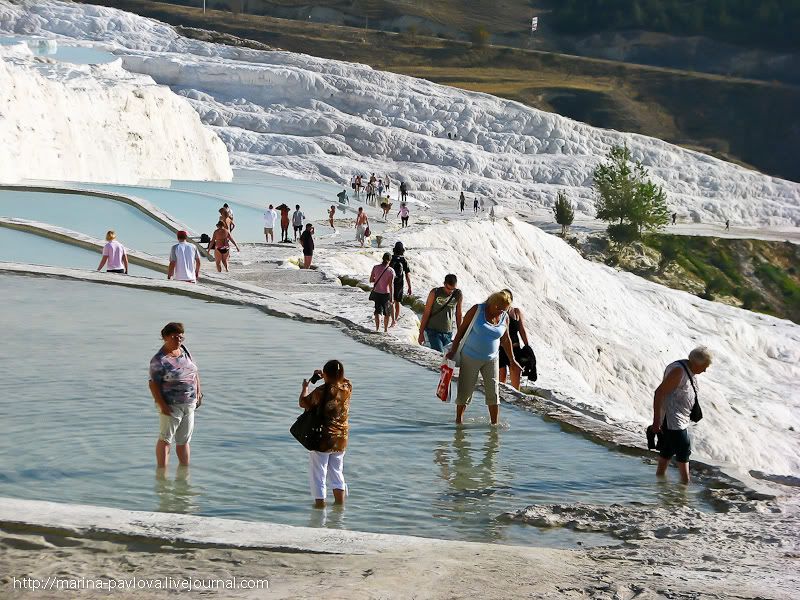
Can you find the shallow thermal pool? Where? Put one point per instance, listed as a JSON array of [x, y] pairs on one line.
[[197, 203], [92, 216], [81, 55], [21, 247], [80, 426]]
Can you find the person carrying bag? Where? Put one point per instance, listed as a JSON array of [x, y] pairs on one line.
[[382, 276], [323, 430]]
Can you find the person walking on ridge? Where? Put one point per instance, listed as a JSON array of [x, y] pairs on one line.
[[362, 223], [184, 260], [270, 218], [220, 243], [673, 404], [404, 213], [307, 241], [285, 210], [114, 254], [462, 201], [382, 276], [297, 221], [442, 309], [400, 266], [331, 213]]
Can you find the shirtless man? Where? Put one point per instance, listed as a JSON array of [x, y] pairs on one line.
[[220, 242], [361, 225]]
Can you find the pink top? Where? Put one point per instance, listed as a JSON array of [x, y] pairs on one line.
[[384, 281], [114, 251], [404, 211]]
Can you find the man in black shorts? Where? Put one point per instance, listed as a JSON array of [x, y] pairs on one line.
[[297, 221], [382, 277], [672, 405]]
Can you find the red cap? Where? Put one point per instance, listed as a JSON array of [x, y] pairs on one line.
[[183, 234]]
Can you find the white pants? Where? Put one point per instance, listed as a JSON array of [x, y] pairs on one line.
[[322, 466]]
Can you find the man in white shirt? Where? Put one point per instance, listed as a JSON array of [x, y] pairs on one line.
[[184, 261], [270, 218], [673, 404]]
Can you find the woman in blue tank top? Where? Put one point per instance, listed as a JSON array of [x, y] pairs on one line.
[[480, 352]]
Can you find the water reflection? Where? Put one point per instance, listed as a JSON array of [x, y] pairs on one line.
[[472, 477], [331, 517], [672, 493], [176, 495]]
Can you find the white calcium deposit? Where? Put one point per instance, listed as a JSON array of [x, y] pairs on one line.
[[98, 123], [310, 117], [602, 337]]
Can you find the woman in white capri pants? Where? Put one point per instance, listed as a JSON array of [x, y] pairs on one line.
[[481, 352], [327, 464]]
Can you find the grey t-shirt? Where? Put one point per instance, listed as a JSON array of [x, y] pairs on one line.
[[297, 218], [679, 403], [443, 313]]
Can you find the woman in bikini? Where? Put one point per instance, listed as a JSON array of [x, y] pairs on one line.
[[220, 243], [331, 213]]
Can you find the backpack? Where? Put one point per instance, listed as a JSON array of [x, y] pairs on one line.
[[397, 264]]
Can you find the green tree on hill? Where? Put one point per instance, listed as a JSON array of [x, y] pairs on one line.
[[479, 37], [563, 212], [628, 200]]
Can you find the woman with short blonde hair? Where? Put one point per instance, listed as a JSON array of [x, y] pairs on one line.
[[482, 332], [114, 254]]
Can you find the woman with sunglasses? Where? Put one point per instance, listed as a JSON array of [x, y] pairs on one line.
[[480, 352], [175, 386]]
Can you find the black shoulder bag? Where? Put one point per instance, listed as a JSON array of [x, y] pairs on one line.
[[309, 427], [697, 412]]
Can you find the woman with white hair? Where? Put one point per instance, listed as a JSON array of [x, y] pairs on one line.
[[673, 402], [483, 330]]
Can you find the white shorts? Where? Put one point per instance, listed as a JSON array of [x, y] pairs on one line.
[[326, 467], [178, 427]]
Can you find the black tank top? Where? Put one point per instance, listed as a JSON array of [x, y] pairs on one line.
[[513, 329]]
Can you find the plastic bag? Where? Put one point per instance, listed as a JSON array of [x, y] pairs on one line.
[[445, 378]]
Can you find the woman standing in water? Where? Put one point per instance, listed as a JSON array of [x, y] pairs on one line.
[[175, 386], [480, 352], [327, 464]]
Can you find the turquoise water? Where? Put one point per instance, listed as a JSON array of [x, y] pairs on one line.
[[90, 215], [21, 247], [196, 203], [80, 426], [82, 55]]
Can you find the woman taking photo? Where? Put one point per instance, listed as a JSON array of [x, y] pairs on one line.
[[175, 386], [480, 352], [327, 463]]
